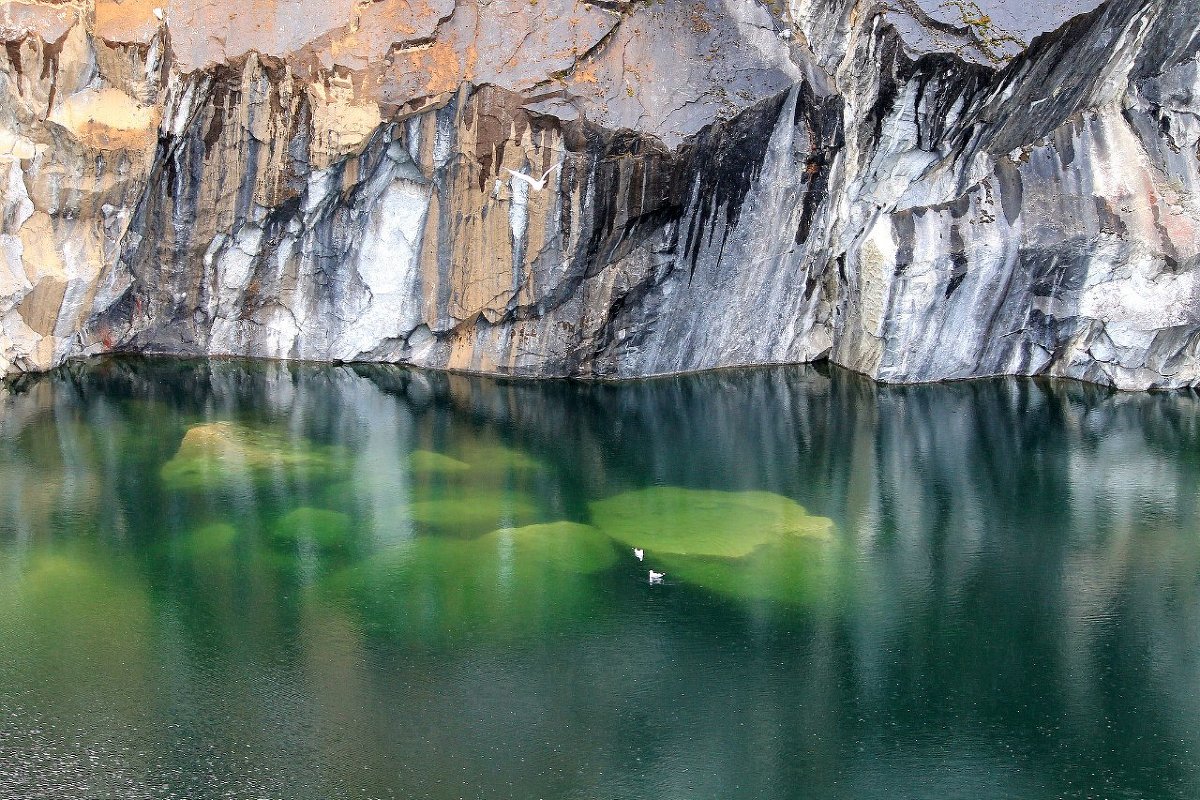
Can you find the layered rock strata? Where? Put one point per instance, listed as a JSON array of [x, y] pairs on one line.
[[606, 189]]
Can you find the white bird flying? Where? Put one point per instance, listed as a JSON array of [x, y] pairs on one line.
[[158, 12], [537, 183], [656, 577], [639, 554]]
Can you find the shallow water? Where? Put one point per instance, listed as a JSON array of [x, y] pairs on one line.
[[262, 580]]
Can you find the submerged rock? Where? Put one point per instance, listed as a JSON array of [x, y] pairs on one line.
[[328, 530], [744, 545], [212, 541], [917, 190], [487, 459], [510, 582], [224, 454], [791, 572], [470, 510], [73, 621], [693, 522], [566, 546], [427, 462]]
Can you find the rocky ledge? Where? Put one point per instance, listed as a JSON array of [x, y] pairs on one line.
[[916, 190]]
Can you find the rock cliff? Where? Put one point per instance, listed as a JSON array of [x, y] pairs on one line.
[[918, 191]]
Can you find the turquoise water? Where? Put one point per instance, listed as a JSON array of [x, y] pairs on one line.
[[247, 580]]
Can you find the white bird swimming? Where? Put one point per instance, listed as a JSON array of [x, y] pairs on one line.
[[656, 577], [639, 554], [537, 183]]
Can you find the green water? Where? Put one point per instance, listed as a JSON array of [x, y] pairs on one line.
[[232, 580]]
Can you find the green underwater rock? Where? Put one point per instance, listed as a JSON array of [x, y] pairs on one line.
[[214, 540], [74, 620], [427, 462], [479, 487], [488, 458], [329, 530], [467, 511], [564, 546], [674, 520], [220, 454], [791, 571], [744, 545], [515, 581]]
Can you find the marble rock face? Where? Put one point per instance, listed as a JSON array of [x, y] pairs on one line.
[[917, 190]]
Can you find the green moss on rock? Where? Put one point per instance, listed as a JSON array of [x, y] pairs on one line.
[[73, 618], [329, 530], [468, 512], [513, 581], [678, 521], [214, 540], [427, 462], [791, 571], [488, 458], [564, 546], [221, 454]]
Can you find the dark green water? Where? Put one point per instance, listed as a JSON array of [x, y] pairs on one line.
[[262, 580]]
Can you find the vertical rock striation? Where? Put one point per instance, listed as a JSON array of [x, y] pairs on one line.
[[1039, 219], [606, 189]]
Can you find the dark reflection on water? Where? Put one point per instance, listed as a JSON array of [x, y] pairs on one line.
[[265, 580]]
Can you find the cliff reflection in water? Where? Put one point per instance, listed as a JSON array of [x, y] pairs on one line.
[[227, 577]]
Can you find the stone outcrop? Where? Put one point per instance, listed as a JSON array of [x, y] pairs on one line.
[[917, 191]]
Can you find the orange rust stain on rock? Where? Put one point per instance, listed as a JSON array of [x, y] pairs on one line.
[[586, 73], [438, 63], [127, 20]]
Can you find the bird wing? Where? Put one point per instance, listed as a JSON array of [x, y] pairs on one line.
[[522, 176]]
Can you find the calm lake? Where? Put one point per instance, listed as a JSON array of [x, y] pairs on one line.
[[261, 580]]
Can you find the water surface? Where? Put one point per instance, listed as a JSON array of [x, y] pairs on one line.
[[245, 580]]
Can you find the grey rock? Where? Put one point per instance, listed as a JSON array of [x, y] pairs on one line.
[[919, 192]]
